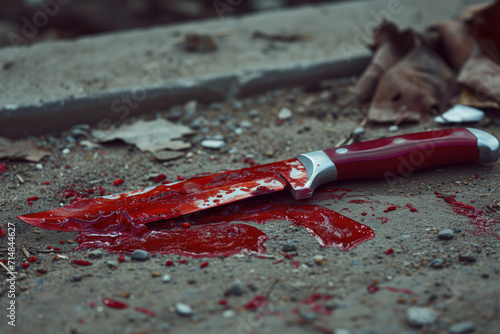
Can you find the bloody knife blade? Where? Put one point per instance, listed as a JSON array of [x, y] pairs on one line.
[[385, 157]]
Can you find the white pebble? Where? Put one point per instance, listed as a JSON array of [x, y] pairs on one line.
[[183, 309], [285, 113], [166, 278], [39, 166], [420, 316], [393, 128], [228, 313], [213, 143], [460, 114], [65, 151]]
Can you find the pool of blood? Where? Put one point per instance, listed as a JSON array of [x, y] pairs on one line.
[[213, 231]]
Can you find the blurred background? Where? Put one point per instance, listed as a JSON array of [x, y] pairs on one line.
[[85, 17]]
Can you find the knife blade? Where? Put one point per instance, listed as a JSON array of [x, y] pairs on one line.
[[385, 157]]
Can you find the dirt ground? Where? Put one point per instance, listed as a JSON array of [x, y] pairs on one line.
[[323, 296]]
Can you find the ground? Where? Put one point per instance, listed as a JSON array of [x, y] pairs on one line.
[[314, 295]]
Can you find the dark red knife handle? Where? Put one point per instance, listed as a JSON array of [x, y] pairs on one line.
[[402, 155]]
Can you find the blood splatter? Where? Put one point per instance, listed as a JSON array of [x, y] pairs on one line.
[[169, 263], [222, 302], [383, 220], [32, 199], [82, 262], [145, 311], [2, 233], [118, 182], [112, 303], [204, 264], [3, 168], [25, 265], [257, 302], [389, 251], [121, 258], [372, 288], [160, 178], [32, 258], [295, 264], [412, 209], [391, 208]]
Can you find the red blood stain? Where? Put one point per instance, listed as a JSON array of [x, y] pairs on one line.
[[118, 182], [279, 261], [182, 261], [249, 161], [3, 168], [295, 264], [389, 251], [204, 264], [315, 304], [222, 302], [25, 265], [61, 242], [3, 261], [180, 178], [160, 178], [92, 304], [46, 183], [32, 258], [49, 247], [2, 233], [479, 219], [82, 262], [257, 302], [114, 303], [358, 201], [346, 209], [145, 311], [186, 225], [169, 263], [391, 208], [412, 209], [363, 213], [383, 219], [121, 258], [57, 249]]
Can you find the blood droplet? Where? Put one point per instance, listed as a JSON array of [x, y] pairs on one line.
[[257, 302], [204, 264], [391, 208], [118, 182], [121, 258], [82, 262], [389, 251], [114, 303], [160, 178], [145, 311], [383, 219], [25, 265], [169, 263]]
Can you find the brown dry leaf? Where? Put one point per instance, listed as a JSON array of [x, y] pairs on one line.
[[410, 90], [389, 47], [468, 98], [21, 150], [485, 28], [452, 42], [481, 75]]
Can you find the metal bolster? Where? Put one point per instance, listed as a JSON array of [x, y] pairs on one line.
[[320, 169], [489, 150]]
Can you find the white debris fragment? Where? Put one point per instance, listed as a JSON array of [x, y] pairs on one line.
[[39, 166], [65, 151], [183, 309], [393, 128], [460, 114], [213, 143], [420, 316], [284, 113]]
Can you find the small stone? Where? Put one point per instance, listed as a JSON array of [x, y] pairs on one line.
[[166, 278], [445, 234], [41, 271], [183, 309], [237, 288], [284, 113], [393, 128], [341, 331], [155, 274], [331, 305], [65, 151], [319, 260], [245, 124], [468, 257], [420, 316], [289, 247], [255, 113], [39, 166], [436, 263], [358, 131], [190, 109], [95, 254], [465, 327], [228, 313], [140, 255], [214, 144], [112, 264]]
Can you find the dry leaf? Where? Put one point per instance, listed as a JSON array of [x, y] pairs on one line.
[[151, 136], [485, 28], [21, 150], [468, 98], [390, 46], [410, 90], [482, 76]]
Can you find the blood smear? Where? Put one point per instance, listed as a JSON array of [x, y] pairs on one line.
[[114, 303]]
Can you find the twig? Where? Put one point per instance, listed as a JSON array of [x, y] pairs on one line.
[[8, 270], [25, 252]]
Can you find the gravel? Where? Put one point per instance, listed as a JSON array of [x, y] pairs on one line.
[[445, 234], [289, 246], [140, 255], [466, 327], [183, 309], [237, 288], [420, 316], [467, 257]]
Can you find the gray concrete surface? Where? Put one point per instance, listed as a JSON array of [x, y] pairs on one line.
[[50, 86]]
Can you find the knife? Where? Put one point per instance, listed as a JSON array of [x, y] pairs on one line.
[[385, 157]]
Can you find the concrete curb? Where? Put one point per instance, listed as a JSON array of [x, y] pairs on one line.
[[237, 69]]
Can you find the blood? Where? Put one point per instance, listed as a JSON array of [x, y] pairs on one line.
[[389, 251], [257, 302], [114, 303], [121, 258], [372, 288], [412, 209], [2, 233], [295, 264], [314, 304], [34, 198], [383, 219], [25, 265], [391, 208], [82, 262], [160, 178], [204, 265], [118, 182], [3, 168], [145, 311], [478, 218]]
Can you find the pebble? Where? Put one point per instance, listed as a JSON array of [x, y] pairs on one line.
[[465, 327], [341, 331], [214, 144], [228, 313], [245, 124], [166, 278], [39, 166], [255, 113], [183, 309], [420, 316], [112, 264], [460, 114], [437, 264], [95, 254], [393, 128], [445, 234], [319, 259], [289, 247], [237, 288], [358, 131], [65, 151], [284, 113], [468, 257], [190, 109], [140, 255]]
